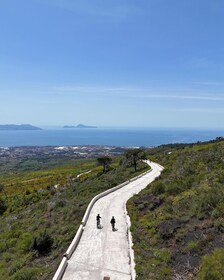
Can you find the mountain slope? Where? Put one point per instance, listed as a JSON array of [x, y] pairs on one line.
[[42, 202], [178, 219]]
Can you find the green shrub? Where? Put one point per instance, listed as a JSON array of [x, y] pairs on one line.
[[218, 211], [3, 206], [42, 243], [3, 246], [16, 266], [25, 242], [174, 188], [192, 246], [7, 256], [162, 255], [25, 274], [158, 188], [219, 224], [212, 266], [164, 273]]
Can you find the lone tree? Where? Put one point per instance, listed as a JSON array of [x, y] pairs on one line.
[[134, 155], [105, 162]]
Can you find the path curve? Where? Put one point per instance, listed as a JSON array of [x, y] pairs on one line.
[[102, 252]]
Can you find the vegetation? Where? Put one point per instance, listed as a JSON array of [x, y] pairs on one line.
[[177, 221], [135, 156], [212, 267], [42, 203], [105, 162]]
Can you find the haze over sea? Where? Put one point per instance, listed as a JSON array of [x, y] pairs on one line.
[[132, 137]]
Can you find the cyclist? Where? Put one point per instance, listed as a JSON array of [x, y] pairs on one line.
[[112, 221], [98, 221]]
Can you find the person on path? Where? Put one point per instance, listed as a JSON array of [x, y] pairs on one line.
[[98, 221], [112, 221]]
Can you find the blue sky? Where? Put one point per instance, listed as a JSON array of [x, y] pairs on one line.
[[148, 63]]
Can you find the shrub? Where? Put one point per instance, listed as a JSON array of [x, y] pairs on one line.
[[158, 188], [163, 255], [25, 274], [164, 273], [16, 266], [7, 256], [192, 246], [212, 266], [3, 246], [3, 206], [25, 242], [60, 203], [43, 243]]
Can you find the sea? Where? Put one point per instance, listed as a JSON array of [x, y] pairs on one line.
[[127, 137]]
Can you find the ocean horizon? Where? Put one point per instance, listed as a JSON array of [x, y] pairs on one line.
[[128, 137]]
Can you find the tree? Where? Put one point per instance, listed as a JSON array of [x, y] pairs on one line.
[[134, 155], [105, 162]]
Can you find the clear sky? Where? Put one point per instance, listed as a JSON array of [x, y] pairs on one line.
[[149, 63]]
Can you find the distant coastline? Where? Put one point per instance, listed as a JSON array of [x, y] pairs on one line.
[[79, 126], [19, 127]]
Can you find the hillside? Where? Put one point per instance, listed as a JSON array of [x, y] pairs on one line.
[[42, 202], [178, 220]]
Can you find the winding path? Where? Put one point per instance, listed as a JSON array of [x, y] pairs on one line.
[[102, 252]]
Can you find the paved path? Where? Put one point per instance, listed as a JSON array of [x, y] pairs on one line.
[[102, 252]]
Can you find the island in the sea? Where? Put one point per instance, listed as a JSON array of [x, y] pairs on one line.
[[79, 126], [18, 127]]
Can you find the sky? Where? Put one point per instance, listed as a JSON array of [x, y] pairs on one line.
[[146, 63]]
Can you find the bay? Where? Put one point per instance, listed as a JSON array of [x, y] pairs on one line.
[[131, 137]]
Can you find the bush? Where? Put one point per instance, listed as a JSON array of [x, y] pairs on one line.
[[43, 243], [25, 274], [3, 206], [3, 246], [25, 242], [212, 266], [193, 246], [158, 188]]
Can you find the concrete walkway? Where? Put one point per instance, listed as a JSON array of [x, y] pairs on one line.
[[102, 252]]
